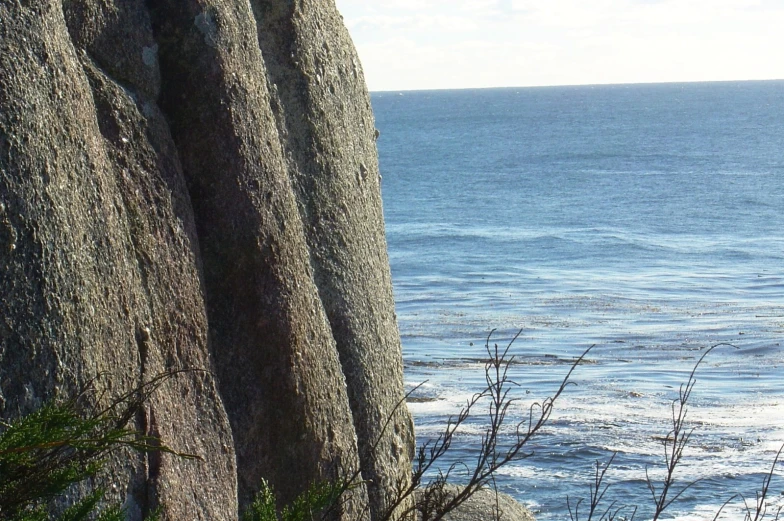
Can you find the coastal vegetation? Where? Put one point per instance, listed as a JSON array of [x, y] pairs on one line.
[[65, 443], [43, 455]]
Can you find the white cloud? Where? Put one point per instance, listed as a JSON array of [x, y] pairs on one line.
[[417, 22]]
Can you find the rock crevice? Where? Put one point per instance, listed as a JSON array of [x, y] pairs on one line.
[[194, 184]]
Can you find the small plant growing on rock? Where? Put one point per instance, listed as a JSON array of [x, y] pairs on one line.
[[45, 452], [318, 500]]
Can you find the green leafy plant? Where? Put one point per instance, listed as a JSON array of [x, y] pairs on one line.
[[320, 498], [66, 442], [263, 507]]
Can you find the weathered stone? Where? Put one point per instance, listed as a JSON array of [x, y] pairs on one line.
[[486, 505], [324, 116], [195, 184], [100, 272], [277, 364]]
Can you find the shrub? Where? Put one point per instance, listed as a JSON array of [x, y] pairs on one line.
[[63, 443], [66, 442], [320, 498]]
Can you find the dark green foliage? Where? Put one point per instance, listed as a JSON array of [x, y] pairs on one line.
[[63, 443], [43, 453], [263, 507], [319, 498], [83, 508]]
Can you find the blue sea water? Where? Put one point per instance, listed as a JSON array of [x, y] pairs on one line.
[[645, 220]]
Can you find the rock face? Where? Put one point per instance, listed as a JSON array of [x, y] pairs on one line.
[[486, 505], [194, 184]]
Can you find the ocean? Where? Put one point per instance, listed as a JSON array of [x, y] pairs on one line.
[[644, 220]]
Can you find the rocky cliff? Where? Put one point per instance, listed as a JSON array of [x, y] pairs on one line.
[[194, 184]]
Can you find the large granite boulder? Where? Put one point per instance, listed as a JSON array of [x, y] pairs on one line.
[[194, 184]]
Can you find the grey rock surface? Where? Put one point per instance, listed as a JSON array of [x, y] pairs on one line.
[[195, 185], [98, 261], [333, 166], [487, 505]]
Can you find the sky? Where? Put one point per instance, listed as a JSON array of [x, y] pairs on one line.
[[449, 44]]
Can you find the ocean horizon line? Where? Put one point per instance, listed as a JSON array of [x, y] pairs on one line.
[[578, 85]]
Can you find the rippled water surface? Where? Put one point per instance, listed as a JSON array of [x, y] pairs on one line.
[[647, 221]]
